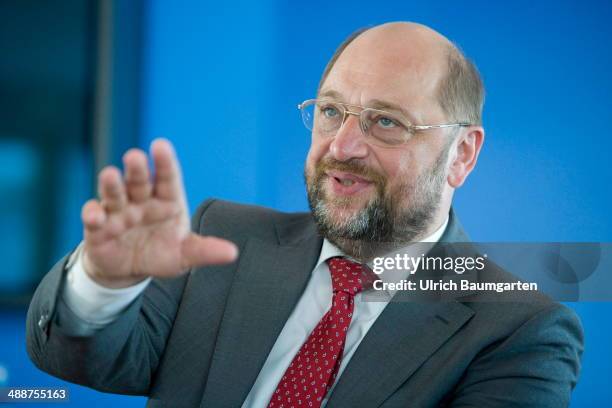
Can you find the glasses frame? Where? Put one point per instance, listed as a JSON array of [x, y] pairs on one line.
[[347, 111]]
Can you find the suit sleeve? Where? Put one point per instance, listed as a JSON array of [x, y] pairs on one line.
[[121, 357], [537, 366]]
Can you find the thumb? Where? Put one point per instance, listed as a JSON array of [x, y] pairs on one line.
[[197, 250]]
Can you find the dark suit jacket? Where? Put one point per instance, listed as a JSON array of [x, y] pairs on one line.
[[201, 339]]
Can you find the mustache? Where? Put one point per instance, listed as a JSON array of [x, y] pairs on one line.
[[350, 166]]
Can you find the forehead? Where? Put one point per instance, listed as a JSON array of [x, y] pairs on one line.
[[401, 71]]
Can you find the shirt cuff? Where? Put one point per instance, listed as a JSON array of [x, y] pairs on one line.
[[92, 302]]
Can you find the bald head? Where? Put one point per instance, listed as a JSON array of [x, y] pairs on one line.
[[423, 57], [406, 45]]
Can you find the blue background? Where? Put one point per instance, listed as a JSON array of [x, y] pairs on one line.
[[222, 82]]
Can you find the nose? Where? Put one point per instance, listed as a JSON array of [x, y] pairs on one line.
[[349, 141]]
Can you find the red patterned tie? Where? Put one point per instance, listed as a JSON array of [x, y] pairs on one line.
[[314, 368]]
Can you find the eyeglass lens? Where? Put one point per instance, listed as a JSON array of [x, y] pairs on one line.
[[327, 117]]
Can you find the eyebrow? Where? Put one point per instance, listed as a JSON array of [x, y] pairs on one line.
[[372, 103]]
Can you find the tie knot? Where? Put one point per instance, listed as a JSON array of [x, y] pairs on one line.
[[348, 276]]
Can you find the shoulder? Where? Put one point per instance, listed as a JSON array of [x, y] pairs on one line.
[[229, 219], [513, 310], [504, 302]]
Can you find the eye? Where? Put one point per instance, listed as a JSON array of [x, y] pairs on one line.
[[386, 123], [329, 111]]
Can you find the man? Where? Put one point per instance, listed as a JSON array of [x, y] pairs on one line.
[[146, 307]]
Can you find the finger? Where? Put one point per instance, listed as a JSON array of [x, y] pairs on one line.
[[197, 251], [94, 220], [93, 215], [168, 180], [137, 183], [111, 189]]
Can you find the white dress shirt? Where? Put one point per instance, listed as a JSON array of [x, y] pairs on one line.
[[98, 306]]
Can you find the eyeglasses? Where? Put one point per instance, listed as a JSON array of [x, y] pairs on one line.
[[381, 128]]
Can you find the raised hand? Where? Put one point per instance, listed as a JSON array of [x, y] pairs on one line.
[[140, 225]]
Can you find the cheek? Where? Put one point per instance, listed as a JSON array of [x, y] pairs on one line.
[[403, 166], [317, 151], [394, 164]]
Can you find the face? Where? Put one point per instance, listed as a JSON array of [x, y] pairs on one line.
[[362, 192]]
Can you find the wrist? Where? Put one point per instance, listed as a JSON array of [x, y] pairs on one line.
[[114, 282]]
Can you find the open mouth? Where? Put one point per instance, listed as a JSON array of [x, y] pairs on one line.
[[345, 183]]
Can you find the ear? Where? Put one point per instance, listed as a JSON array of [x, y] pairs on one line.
[[467, 148]]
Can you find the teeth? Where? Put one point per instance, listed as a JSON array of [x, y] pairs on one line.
[[346, 182]]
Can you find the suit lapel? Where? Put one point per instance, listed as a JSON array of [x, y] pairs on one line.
[[269, 281], [399, 342], [403, 337]]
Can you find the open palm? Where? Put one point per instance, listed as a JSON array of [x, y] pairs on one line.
[[140, 225]]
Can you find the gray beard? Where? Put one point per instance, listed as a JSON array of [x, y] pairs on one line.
[[383, 225]]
